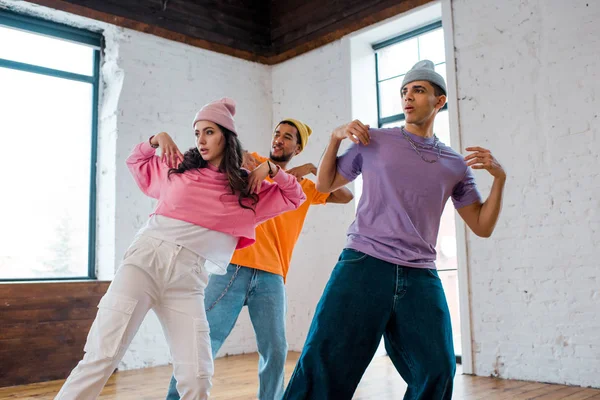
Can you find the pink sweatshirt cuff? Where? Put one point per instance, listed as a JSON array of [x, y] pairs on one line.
[[146, 149], [281, 178]]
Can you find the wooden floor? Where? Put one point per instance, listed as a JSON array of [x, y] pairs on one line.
[[235, 379]]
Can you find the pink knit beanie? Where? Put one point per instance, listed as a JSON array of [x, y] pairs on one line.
[[220, 112]]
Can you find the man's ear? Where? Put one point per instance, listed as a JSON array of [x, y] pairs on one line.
[[441, 102]]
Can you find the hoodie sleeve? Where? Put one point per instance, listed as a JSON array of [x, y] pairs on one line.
[[285, 194], [147, 169]]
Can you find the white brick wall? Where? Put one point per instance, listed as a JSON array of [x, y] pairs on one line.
[[527, 86]]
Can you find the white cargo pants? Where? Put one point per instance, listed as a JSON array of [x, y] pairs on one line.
[[170, 280]]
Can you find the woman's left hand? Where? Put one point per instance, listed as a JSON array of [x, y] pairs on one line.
[[259, 174], [170, 152]]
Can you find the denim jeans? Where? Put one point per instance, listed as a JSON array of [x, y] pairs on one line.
[[365, 299], [264, 294]]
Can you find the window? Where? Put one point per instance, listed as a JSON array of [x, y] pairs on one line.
[[49, 76], [393, 59]]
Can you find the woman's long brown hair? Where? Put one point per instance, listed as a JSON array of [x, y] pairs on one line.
[[231, 165]]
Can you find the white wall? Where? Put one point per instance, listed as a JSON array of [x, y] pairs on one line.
[[528, 83]]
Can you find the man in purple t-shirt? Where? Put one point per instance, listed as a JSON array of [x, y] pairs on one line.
[[385, 282]]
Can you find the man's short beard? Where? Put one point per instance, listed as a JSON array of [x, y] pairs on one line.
[[282, 158]]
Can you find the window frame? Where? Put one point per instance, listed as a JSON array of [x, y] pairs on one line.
[[389, 42], [94, 40]]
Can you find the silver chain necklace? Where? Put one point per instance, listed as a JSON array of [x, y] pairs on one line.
[[416, 146]]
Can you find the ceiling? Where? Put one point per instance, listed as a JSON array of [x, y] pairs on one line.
[[266, 31]]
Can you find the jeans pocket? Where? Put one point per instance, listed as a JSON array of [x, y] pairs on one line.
[[106, 334], [433, 272], [214, 301], [203, 360], [352, 256]]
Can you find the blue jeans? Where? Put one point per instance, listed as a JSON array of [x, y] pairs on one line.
[[365, 299], [264, 294]]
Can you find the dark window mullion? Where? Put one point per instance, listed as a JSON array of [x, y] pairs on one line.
[[406, 36], [392, 77], [447, 269], [36, 69], [389, 120], [50, 29], [400, 117], [404, 73], [377, 88], [94, 159]]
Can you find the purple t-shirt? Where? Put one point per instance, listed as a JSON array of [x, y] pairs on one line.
[[403, 197]]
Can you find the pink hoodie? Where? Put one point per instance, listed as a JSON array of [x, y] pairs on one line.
[[202, 197]]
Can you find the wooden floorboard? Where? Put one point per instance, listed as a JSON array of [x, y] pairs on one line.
[[235, 379]]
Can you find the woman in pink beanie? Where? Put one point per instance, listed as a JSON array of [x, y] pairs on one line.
[[208, 206]]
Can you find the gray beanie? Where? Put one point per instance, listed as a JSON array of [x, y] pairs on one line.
[[424, 70]]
